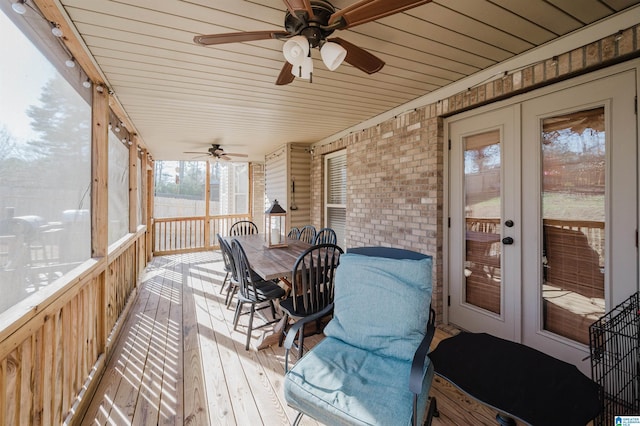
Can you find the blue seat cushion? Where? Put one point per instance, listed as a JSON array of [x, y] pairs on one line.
[[338, 384], [381, 304]]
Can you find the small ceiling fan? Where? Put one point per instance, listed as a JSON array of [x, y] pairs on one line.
[[216, 151], [308, 24]]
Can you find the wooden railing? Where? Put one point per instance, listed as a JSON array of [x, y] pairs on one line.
[[53, 349], [189, 234]]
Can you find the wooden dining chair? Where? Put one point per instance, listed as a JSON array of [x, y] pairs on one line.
[[294, 233], [326, 236], [311, 293], [229, 267], [243, 227], [253, 291], [308, 234]]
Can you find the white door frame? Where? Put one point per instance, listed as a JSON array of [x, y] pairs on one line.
[[596, 75]]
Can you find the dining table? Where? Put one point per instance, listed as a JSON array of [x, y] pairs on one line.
[[271, 263]]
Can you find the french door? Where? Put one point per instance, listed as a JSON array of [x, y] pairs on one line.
[[544, 209], [484, 213]]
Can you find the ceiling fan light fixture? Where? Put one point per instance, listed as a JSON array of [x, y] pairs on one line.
[[296, 49], [19, 7], [332, 55], [304, 70]]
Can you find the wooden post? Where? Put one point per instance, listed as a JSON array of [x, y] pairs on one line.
[[150, 224], [100, 197], [207, 202], [133, 184], [99, 173]]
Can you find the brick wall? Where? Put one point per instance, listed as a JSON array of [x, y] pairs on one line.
[[395, 184]]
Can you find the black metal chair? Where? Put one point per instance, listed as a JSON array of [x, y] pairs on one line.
[[308, 234], [294, 233], [311, 295], [252, 291], [243, 227], [326, 236]]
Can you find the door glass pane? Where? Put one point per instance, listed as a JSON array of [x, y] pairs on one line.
[[482, 214], [573, 220]]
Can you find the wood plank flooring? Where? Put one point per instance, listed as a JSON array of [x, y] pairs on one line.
[[178, 360]]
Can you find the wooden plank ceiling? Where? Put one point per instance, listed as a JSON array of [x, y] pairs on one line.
[[183, 97]]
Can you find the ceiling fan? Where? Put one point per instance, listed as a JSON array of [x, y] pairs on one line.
[[308, 24], [217, 152]]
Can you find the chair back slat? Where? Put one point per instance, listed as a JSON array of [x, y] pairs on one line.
[[308, 234], [294, 233], [313, 277], [246, 286], [227, 257], [243, 227], [326, 236]]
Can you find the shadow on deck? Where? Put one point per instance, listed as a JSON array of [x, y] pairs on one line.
[[178, 360]]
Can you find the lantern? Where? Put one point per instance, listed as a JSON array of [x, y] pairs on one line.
[[275, 226]]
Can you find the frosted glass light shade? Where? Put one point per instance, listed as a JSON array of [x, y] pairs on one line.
[[19, 7], [296, 49], [332, 55], [303, 70]]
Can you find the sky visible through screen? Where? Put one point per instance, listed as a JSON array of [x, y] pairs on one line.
[[23, 73]]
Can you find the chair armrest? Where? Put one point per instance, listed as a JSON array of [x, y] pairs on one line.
[[417, 366], [291, 333]]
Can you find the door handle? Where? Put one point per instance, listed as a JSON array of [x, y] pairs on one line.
[[507, 240]]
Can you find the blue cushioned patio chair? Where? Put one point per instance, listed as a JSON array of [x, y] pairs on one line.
[[372, 367]]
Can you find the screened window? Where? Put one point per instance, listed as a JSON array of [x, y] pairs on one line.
[[180, 188], [118, 188], [141, 173], [336, 194], [45, 168]]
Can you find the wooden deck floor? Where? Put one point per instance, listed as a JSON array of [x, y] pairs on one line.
[[178, 361]]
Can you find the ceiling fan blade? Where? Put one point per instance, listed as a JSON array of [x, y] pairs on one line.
[[369, 10], [235, 154], [299, 5], [360, 58], [213, 39], [285, 76], [194, 152]]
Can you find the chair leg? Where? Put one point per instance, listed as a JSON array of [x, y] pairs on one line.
[[231, 291], [432, 411], [301, 342], [250, 329], [226, 277], [285, 321], [298, 418], [273, 309], [236, 316]]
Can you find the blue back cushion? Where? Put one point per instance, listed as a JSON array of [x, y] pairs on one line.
[[381, 304]]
